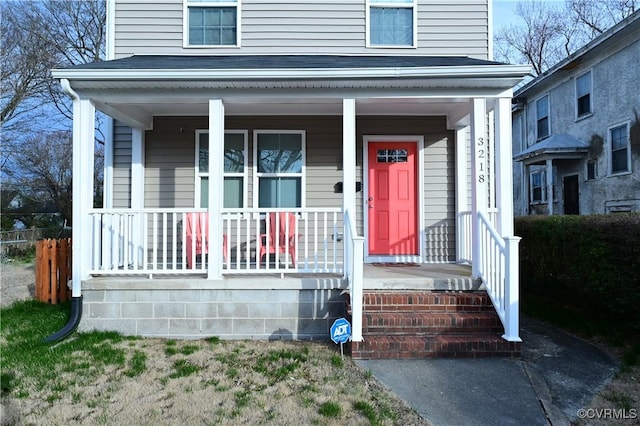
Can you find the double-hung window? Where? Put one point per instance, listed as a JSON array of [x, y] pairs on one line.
[[538, 184], [583, 94], [391, 23], [235, 169], [620, 153], [211, 22], [542, 117], [279, 164]]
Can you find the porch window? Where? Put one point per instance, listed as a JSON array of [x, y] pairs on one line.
[[211, 22], [279, 164], [542, 117], [392, 23], [583, 94], [619, 143], [235, 169]]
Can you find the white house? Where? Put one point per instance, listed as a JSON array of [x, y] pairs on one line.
[[576, 130], [379, 131]]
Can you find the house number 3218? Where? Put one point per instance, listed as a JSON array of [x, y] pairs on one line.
[[481, 160]]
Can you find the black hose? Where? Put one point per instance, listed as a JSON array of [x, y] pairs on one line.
[[72, 324]]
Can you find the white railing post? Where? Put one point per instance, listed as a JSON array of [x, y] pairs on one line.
[[512, 295], [357, 290]]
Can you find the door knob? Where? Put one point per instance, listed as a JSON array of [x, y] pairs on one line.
[[370, 198]]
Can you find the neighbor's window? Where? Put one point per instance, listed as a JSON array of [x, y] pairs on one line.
[[211, 22], [619, 143], [583, 94], [538, 184], [235, 169], [542, 117], [592, 171], [392, 23], [279, 168]]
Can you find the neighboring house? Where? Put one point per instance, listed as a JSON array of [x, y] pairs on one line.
[[364, 122], [576, 130]]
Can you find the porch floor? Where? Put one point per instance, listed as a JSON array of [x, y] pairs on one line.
[[424, 276]]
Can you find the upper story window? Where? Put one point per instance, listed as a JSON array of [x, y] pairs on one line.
[[583, 94], [211, 22], [542, 117], [235, 169], [279, 168], [391, 23], [620, 152]]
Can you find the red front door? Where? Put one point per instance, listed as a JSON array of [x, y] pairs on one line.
[[392, 199]]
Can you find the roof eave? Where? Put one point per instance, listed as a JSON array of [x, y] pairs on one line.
[[494, 71]]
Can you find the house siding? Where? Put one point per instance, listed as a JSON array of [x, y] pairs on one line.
[[615, 99], [446, 28], [121, 165], [170, 165]]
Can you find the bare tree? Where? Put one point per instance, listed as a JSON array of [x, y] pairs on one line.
[[549, 32], [37, 36], [43, 170]]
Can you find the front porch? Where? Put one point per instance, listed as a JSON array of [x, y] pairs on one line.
[[248, 306]]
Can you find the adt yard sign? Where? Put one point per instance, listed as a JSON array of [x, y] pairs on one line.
[[340, 331]]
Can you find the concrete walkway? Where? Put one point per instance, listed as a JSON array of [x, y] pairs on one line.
[[557, 375]]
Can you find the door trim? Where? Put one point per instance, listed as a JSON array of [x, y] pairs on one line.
[[419, 141]]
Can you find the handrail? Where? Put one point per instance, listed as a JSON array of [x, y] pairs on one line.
[[498, 269]]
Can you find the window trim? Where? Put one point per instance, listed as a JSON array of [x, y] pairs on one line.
[[548, 116], [590, 112], [412, 5], [199, 175], [595, 170], [185, 23], [626, 124], [257, 175], [543, 193]]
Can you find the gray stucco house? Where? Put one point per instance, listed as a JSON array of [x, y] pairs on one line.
[[268, 159], [576, 130]]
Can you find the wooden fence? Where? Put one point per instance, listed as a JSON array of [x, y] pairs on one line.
[[53, 270]]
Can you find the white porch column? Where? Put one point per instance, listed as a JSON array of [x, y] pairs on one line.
[[349, 155], [504, 167], [550, 187], [84, 115], [479, 179], [461, 188], [137, 168], [216, 185]]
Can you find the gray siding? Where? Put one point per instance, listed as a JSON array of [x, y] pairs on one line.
[[121, 165], [445, 27], [170, 154]]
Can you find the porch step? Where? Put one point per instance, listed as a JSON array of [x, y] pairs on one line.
[[430, 324]]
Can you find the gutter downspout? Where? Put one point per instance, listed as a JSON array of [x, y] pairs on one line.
[[76, 301]]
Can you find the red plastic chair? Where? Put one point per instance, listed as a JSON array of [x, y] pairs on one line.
[[197, 228], [281, 236]]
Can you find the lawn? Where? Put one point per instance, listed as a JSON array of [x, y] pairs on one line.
[[106, 378]]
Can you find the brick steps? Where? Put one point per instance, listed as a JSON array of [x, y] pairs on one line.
[[423, 324]]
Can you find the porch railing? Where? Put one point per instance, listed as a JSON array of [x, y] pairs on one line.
[[154, 241], [498, 269], [465, 232], [354, 272]]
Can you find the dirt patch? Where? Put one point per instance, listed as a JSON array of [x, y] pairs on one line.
[[17, 282]]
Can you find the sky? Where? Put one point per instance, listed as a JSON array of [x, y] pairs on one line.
[[503, 11]]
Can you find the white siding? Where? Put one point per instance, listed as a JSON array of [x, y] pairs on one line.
[[445, 27]]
